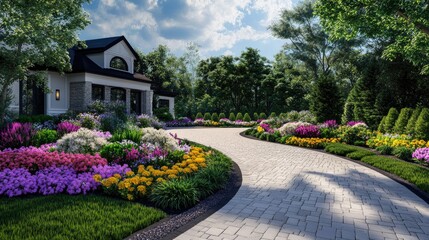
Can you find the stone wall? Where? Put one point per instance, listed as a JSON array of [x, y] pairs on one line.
[[80, 95]]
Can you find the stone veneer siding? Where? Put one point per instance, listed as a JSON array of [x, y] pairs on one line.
[[80, 95]]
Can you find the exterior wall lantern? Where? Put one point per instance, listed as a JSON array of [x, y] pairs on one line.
[[57, 94]]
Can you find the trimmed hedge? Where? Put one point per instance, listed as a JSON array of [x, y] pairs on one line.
[[341, 149]]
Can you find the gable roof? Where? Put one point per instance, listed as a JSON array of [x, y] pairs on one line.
[[102, 44]]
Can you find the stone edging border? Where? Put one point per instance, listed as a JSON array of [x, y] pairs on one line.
[[413, 188], [174, 225]]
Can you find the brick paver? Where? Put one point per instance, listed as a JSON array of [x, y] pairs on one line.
[[295, 193]]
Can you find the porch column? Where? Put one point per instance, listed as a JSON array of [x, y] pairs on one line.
[[128, 100], [147, 98], [80, 95], [107, 93]]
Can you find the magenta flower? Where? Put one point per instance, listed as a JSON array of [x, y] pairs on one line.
[[310, 131]]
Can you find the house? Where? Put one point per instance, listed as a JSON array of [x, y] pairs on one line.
[[104, 70]]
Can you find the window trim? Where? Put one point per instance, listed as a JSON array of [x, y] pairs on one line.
[[123, 61]]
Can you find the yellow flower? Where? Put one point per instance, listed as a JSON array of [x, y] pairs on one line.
[[135, 180], [164, 168], [193, 167], [148, 183], [130, 197], [141, 189], [259, 129], [121, 185], [117, 175], [160, 180], [129, 173], [97, 177], [131, 189], [172, 176], [187, 170]]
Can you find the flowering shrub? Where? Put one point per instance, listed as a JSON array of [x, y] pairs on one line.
[[43, 148], [310, 131], [120, 152], [44, 136], [34, 159], [145, 121], [66, 127], [88, 120], [394, 140], [182, 122], [53, 180], [265, 127], [16, 135], [354, 135], [310, 142], [136, 185], [159, 138], [82, 141], [421, 154], [289, 128], [330, 124]]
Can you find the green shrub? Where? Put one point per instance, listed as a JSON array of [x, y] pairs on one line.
[[41, 118], [422, 125], [116, 152], [272, 115], [255, 116], [209, 180], [403, 153], [391, 117], [163, 114], [381, 125], [402, 121], [262, 115], [199, 115], [283, 115], [222, 115], [174, 156], [215, 117], [207, 116], [352, 135], [247, 118], [385, 150], [328, 132], [110, 122], [232, 117], [270, 137], [411, 125], [239, 116], [132, 134], [408, 171], [341, 149], [358, 155], [44, 136], [175, 194]]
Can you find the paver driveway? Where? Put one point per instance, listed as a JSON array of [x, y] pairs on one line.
[[294, 193]]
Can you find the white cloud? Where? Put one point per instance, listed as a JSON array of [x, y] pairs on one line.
[[215, 25]]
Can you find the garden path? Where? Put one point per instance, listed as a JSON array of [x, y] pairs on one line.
[[295, 193]]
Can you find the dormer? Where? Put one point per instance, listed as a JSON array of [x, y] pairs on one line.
[[111, 53]]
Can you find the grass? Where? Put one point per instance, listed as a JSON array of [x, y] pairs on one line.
[[341, 149], [407, 171], [73, 217], [358, 155]]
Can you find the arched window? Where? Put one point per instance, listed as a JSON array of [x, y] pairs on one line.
[[119, 63], [117, 94]]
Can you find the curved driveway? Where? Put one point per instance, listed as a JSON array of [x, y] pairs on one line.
[[294, 193]]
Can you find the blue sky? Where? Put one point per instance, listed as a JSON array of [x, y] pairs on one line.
[[218, 26]]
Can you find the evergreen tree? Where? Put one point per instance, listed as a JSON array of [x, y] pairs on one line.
[[411, 125], [381, 125], [247, 118], [402, 121], [232, 116], [207, 116], [222, 115], [391, 118], [326, 100], [255, 116], [199, 115], [215, 117], [422, 125], [239, 116]]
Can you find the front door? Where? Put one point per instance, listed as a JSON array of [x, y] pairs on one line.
[[31, 98], [136, 102]]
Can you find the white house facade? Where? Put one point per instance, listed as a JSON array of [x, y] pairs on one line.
[[104, 70]]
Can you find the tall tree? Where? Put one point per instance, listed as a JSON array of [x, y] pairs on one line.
[[405, 23], [36, 33]]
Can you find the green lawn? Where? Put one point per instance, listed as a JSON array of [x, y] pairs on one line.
[[73, 217]]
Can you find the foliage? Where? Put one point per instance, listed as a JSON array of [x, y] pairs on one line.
[[222, 115], [403, 153], [341, 149], [411, 125], [215, 117], [199, 115], [422, 125], [24, 43], [262, 115], [16, 135], [81, 141], [255, 116], [116, 152], [34, 118], [384, 149], [272, 115], [247, 118], [88, 120], [307, 131], [207, 116], [66, 127], [391, 118], [354, 135], [175, 194], [405, 23], [239, 116], [132, 134], [163, 114], [144, 120], [358, 155], [407, 171], [110, 122], [402, 120], [381, 125], [44, 136], [232, 116], [73, 217], [326, 100]]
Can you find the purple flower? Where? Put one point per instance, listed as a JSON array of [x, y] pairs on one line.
[[421, 154], [307, 131], [66, 127], [330, 124], [16, 135]]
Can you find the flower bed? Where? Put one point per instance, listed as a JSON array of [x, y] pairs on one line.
[[311, 142]]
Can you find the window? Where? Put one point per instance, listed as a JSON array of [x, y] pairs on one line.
[[97, 92], [164, 103], [118, 63], [117, 94], [136, 101]]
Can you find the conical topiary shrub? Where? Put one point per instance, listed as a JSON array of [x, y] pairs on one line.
[[273, 115], [247, 118], [411, 125], [381, 125], [222, 115], [401, 122], [262, 115], [239, 116], [215, 117], [232, 116], [255, 116], [422, 125], [199, 115], [391, 117], [207, 116]]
